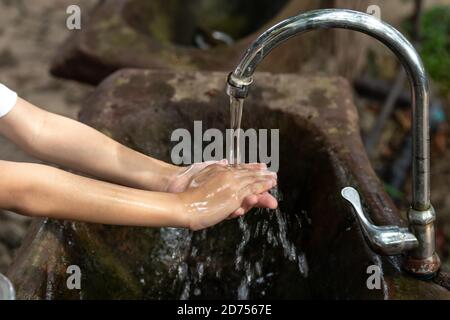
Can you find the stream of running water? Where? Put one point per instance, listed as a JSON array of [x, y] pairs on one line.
[[236, 108], [262, 242], [252, 272]]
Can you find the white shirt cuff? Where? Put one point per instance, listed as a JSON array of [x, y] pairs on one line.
[[8, 99]]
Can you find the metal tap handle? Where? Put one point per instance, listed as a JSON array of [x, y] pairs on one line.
[[387, 240]]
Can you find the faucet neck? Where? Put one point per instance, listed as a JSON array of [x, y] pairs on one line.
[[423, 259], [240, 79]]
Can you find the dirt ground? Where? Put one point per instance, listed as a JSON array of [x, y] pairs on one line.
[[30, 33]]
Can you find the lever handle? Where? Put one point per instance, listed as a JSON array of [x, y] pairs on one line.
[[387, 240], [351, 195]]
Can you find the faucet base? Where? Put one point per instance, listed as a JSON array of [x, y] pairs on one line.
[[422, 268]]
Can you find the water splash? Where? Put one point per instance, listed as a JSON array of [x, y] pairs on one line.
[[271, 231], [276, 234]]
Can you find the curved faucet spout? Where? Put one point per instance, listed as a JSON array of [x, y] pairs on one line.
[[241, 78], [358, 21]]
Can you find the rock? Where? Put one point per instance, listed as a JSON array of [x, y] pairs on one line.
[[16, 218], [152, 35], [12, 231], [5, 258], [311, 248], [443, 279], [11, 234]]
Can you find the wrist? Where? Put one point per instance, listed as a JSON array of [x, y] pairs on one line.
[[172, 174], [158, 179], [181, 211]]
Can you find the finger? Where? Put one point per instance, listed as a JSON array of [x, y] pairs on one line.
[[240, 212], [251, 166], [249, 202], [256, 187], [215, 167], [266, 200], [223, 162], [255, 165], [202, 165], [249, 179], [237, 213], [231, 216], [243, 173], [246, 207], [237, 174], [197, 167]]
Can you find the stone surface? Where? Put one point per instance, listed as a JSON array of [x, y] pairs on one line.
[[5, 257], [311, 248], [12, 230], [154, 35]]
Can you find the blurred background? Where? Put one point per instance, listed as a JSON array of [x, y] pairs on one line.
[[211, 35]]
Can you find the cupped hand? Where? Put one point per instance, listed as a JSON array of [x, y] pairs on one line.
[[183, 178], [219, 191]]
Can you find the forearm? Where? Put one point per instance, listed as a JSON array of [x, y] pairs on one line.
[[39, 190], [69, 143]]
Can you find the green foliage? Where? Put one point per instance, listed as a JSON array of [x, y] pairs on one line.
[[435, 48]]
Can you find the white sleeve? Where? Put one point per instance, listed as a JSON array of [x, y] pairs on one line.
[[8, 99]]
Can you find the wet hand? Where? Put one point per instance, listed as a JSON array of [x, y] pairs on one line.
[[183, 178], [218, 192]]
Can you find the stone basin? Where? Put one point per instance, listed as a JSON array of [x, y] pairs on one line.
[[159, 34], [311, 248]]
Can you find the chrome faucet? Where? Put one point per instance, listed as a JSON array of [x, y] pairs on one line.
[[419, 240]]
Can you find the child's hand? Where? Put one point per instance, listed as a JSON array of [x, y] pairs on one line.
[[218, 191], [182, 180]]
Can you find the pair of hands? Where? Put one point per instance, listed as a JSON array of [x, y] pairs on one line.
[[213, 191]]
